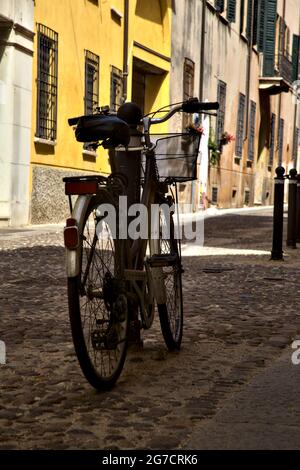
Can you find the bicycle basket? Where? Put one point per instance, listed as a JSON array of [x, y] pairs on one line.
[[176, 156]]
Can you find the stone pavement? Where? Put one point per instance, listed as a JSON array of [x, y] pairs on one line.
[[241, 314], [264, 415]]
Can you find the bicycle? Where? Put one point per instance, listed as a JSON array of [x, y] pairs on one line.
[[114, 282]]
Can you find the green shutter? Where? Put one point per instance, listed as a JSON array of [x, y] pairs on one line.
[[269, 38], [255, 22], [231, 10], [219, 5], [295, 57], [261, 25], [249, 19]]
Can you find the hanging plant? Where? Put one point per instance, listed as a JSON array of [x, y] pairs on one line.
[[214, 152]]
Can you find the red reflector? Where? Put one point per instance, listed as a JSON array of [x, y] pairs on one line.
[[70, 222], [71, 237], [81, 187]]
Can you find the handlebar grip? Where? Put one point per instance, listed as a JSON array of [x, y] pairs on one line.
[[73, 121], [197, 106]]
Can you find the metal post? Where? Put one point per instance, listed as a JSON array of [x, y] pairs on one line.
[[298, 210], [277, 253], [292, 210]]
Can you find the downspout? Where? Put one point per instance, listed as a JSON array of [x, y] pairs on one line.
[[125, 50], [248, 73], [202, 51], [296, 114], [197, 184], [279, 100]]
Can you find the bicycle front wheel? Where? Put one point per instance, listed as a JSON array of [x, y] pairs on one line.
[[97, 301], [171, 311]]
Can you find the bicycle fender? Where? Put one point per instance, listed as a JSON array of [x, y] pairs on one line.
[[73, 257]]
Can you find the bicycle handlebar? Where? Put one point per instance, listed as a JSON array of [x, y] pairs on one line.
[[190, 106]]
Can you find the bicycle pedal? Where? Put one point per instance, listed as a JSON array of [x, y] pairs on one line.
[[159, 261]]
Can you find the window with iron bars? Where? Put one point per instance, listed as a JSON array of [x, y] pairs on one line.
[[240, 126], [188, 88], [47, 68], [116, 88], [296, 143], [221, 98], [252, 131], [91, 95], [272, 140], [280, 140]]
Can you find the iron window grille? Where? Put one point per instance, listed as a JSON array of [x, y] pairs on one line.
[[221, 98], [214, 195], [296, 143], [280, 140], [272, 140], [252, 131], [91, 95], [116, 88], [47, 69], [188, 87], [240, 126], [247, 197]]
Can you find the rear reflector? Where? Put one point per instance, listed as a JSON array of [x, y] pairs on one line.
[[81, 187], [71, 237], [70, 222]]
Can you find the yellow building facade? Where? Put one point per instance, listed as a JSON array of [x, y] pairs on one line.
[[89, 53]]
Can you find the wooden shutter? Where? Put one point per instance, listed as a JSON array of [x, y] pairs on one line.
[[261, 24], [249, 19], [272, 140], [255, 22], [295, 57], [231, 11], [252, 131], [269, 37], [280, 140], [240, 126], [221, 98]]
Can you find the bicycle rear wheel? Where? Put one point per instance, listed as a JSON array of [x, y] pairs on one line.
[[97, 300]]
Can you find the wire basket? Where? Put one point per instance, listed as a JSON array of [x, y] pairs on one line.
[[176, 156]]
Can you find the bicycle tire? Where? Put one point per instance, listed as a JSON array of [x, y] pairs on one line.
[[171, 312], [108, 319]]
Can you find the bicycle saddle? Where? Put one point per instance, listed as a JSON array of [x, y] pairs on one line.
[[112, 130]]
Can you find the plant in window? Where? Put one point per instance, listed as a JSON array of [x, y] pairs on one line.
[[214, 149], [226, 138]]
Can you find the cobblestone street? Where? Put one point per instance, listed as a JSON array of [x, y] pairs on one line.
[[241, 314]]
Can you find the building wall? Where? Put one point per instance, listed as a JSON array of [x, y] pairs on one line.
[[16, 50], [93, 26], [226, 58]]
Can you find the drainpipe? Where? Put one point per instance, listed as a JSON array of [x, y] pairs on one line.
[[248, 73], [296, 114], [125, 49], [202, 51], [279, 99], [196, 184]]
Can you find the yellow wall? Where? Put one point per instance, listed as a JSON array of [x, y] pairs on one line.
[[84, 24]]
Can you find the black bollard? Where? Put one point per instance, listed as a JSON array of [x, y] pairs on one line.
[[298, 210], [292, 210], [277, 253]]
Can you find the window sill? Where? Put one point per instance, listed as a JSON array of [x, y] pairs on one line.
[[39, 140], [244, 38]]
